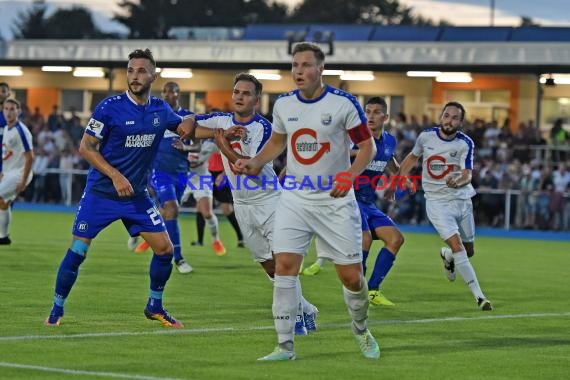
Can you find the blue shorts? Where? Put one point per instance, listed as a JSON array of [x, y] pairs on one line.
[[167, 187], [95, 213], [373, 218]]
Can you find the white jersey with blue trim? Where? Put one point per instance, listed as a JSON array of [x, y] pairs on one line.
[[17, 141], [266, 187], [129, 136], [318, 145], [443, 158]]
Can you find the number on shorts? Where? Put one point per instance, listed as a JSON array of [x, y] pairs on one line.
[[154, 215]]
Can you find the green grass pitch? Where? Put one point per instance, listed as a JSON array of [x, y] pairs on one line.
[[434, 332]]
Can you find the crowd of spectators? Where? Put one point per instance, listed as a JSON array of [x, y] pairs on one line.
[[56, 141]]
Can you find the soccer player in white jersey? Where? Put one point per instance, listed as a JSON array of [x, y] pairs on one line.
[[446, 179], [254, 204], [316, 122], [17, 169], [200, 186]]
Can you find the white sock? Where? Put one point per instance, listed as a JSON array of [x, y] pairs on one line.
[[5, 217], [213, 226], [306, 306], [321, 262], [464, 267], [357, 303], [285, 307], [448, 254]]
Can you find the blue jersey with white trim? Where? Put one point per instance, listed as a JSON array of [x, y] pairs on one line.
[[129, 135], [169, 159], [2, 124], [385, 148]]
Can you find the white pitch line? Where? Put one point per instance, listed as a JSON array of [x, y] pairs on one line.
[[236, 329], [81, 372]]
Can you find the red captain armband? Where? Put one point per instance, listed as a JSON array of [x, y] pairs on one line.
[[360, 133]]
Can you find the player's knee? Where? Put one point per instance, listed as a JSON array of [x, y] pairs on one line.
[[396, 242], [164, 248], [170, 211], [79, 247]]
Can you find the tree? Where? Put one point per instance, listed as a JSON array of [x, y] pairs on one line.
[[31, 23], [153, 18], [527, 21], [74, 23], [385, 12]]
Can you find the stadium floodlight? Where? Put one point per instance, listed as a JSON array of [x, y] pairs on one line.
[[333, 72], [89, 72], [554, 79], [424, 74], [11, 71], [176, 73], [357, 75], [266, 74], [57, 69], [457, 77]]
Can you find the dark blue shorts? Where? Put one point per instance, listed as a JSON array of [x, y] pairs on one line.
[[167, 186], [95, 213], [373, 218]]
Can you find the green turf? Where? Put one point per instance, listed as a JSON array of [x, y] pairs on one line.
[[434, 332]]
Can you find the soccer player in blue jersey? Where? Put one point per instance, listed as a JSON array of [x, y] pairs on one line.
[[120, 142], [374, 219], [166, 177]]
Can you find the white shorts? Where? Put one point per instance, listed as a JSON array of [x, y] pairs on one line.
[[335, 224], [202, 189], [256, 224], [8, 185], [452, 217]]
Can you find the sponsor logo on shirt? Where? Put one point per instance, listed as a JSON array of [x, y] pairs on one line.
[[377, 166], [139, 141], [129, 122], [305, 140], [437, 167], [293, 119]]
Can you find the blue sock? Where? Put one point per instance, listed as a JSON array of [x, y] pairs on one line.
[[382, 266], [174, 233], [66, 276], [160, 269], [364, 258]]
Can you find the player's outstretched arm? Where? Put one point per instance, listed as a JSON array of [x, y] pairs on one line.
[[273, 148], [406, 167], [366, 152], [88, 148], [187, 128], [225, 147]]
